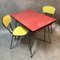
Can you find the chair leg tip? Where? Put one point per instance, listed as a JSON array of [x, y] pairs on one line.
[[31, 56], [49, 42], [10, 47]]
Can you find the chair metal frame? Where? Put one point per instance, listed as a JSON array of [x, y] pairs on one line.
[[49, 27], [29, 44]]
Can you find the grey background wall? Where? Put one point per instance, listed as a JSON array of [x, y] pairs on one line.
[[11, 6]]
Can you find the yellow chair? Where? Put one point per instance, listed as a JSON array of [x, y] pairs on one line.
[[49, 11], [17, 32]]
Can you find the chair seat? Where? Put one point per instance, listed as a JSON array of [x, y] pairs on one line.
[[20, 31]]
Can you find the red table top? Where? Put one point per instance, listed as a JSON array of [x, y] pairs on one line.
[[32, 19]]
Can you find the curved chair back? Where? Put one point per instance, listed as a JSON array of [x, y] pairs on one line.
[[6, 20], [49, 9]]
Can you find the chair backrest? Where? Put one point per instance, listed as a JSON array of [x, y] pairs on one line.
[[49, 10], [6, 20]]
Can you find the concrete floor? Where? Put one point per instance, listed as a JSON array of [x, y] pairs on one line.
[[41, 50]]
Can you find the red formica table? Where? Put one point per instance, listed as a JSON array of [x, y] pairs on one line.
[[33, 20]]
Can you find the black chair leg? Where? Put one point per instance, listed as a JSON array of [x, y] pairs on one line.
[[30, 47], [29, 43], [51, 27], [11, 42], [17, 40], [45, 35], [16, 24], [49, 35]]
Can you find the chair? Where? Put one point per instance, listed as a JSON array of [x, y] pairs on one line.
[[19, 31], [49, 11]]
